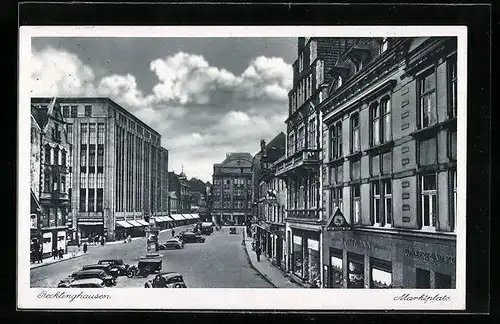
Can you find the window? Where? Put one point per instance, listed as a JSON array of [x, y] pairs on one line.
[[88, 111], [92, 133], [385, 110], [380, 273], [100, 180], [46, 181], [65, 110], [336, 141], [63, 184], [91, 200], [63, 158], [356, 203], [355, 140], [313, 51], [384, 46], [297, 256], [319, 73], [311, 144], [376, 203], [382, 202], [355, 170], [47, 155], [83, 199], [336, 199], [300, 139], [428, 151], [56, 156], [83, 158], [428, 200], [291, 144], [442, 281], [313, 185], [92, 158], [452, 86], [452, 145], [336, 175], [301, 62], [70, 133], [336, 269], [74, 111], [100, 158], [375, 117], [423, 278], [427, 91], [453, 198], [83, 133], [356, 271], [387, 212]]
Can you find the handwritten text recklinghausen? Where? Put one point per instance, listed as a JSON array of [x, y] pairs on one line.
[[71, 297]]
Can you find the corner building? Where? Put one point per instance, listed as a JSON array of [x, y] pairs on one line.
[[301, 168], [231, 191], [389, 164], [118, 169]]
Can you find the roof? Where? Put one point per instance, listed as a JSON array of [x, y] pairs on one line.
[[40, 115], [235, 156], [276, 148], [90, 271], [87, 281], [170, 274]]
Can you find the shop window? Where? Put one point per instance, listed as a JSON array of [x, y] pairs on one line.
[[336, 141], [297, 256], [336, 269], [356, 271], [313, 260], [74, 111], [428, 200], [381, 274], [427, 95], [423, 278], [452, 86], [442, 281], [356, 203], [355, 139]]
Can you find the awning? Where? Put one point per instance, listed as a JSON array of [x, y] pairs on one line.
[[195, 215], [177, 217], [96, 223], [187, 216], [142, 222], [167, 219], [135, 223], [123, 224]]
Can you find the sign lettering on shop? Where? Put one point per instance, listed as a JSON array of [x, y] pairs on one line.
[[430, 256], [361, 244]]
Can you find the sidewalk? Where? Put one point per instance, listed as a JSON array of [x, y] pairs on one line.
[[275, 276], [73, 252]]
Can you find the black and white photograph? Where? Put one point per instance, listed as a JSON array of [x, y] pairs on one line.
[[248, 167]]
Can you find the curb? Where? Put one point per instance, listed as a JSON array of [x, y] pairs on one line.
[[261, 273], [49, 263]]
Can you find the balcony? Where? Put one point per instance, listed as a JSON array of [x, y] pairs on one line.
[[299, 161]]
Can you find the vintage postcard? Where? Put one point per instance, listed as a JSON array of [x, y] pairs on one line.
[[251, 168]]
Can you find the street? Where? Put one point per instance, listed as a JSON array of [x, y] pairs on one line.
[[220, 262]]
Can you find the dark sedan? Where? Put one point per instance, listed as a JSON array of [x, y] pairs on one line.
[[166, 280], [189, 237], [88, 274], [116, 264], [106, 267]]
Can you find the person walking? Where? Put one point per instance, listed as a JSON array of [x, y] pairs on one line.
[[40, 254], [257, 252], [54, 253], [173, 232], [85, 247]]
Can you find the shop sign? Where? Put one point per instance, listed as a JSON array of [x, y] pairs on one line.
[[349, 241], [429, 256]]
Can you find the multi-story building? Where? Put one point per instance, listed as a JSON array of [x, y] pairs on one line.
[[231, 195], [35, 167], [199, 197], [301, 168], [50, 148], [271, 202], [389, 164], [116, 168]]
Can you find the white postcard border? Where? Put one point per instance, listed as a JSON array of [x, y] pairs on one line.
[[227, 299]]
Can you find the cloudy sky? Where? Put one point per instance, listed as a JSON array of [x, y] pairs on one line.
[[206, 96]]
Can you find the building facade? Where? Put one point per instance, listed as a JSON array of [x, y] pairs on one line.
[[231, 195], [117, 163], [389, 164], [301, 168], [50, 151], [271, 203]]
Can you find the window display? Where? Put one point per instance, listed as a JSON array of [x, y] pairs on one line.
[[381, 274], [297, 255], [356, 271], [313, 260], [336, 270]]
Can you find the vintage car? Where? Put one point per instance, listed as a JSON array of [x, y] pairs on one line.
[[173, 243], [189, 237], [106, 267], [232, 230], [88, 274], [116, 264], [166, 280], [88, 283]]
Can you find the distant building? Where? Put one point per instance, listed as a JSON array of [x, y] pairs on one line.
[[49, 176], [231, 192], [117, 166]]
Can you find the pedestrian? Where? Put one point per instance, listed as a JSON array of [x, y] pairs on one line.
[[257, 252], [54, 253], [102, 241], [61, 253], [85, 247], [40, 254], [173, 232]]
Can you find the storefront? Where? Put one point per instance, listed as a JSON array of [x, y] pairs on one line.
[[305, 256], [89, 229], [369, 259], [122, 229], [179, 220]]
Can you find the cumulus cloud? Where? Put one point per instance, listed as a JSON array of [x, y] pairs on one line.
[[201, 111]]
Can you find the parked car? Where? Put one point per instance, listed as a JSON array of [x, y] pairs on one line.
[[232, 230], [173, 243], [88, 274], [116, 264], [189, 237], [88, 283], [106, 267], [166, 280], [207, 228]]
